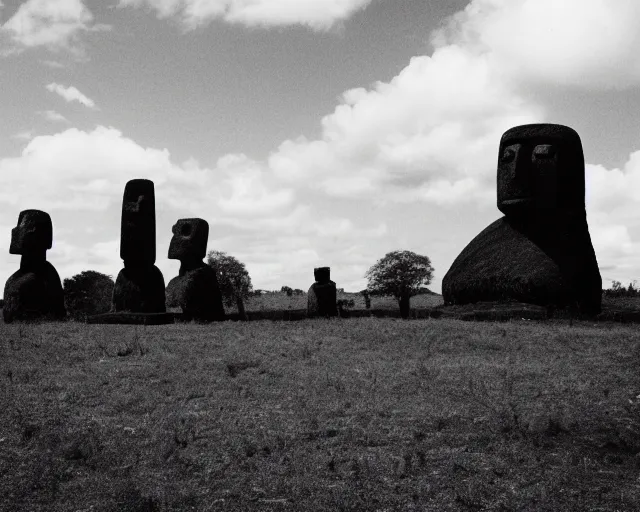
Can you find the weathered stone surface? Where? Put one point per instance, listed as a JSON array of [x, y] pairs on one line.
[[139, 287], [196, 288], [138, 223], [189, 241], [196, 291], [34, 292], [321, 298], [540, 252]]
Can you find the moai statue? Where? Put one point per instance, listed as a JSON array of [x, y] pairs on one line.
[[34, 292], [540, 252], [139, 287], [196, 289], [321, 299]]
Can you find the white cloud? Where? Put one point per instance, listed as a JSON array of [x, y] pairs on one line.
[[54, 24], [65, 164], [614, 225], [584, 43], [25, 135], [53, 116], [430, 134], [70, 94], [316, 14], [80, 177], [248, 194], [53, 64]]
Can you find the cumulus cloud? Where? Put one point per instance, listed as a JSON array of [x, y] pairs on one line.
[[53, 64], [614, 225], [247, 192], [53, 24], [81, 175], [53, 116], [24, 135], [429, 134], [70, 94], [316, 14], [584, 43]]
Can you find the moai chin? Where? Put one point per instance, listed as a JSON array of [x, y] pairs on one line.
[[321, 298], [540, 252], [34, 292], [195, 290], [139, 287]]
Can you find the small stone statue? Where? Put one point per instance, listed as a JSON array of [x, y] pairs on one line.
[[139, 287], [540, 252], [34, 292], [195, 289], [321, 298]]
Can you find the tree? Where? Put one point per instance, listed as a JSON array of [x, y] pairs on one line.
[[88, 293], [233, 279], [288, 290], [400, 274]]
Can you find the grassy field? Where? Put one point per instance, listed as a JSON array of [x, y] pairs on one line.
[[280, 301], [352, 414]]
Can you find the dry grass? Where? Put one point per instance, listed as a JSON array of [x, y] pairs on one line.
[[279, 302], [358, 414]]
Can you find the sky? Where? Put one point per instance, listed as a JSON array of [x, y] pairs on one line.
[[309, 132]]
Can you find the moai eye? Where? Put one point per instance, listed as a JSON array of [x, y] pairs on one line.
[[185, 230], [508, 155], [544, 151]]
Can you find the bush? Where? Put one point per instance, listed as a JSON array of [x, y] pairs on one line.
[[88, 293], [345, 303], [617, 290]]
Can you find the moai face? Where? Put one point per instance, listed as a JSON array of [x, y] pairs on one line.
[[33, 234], [189, 240], [138, 228], [322, 275], [540, 167]]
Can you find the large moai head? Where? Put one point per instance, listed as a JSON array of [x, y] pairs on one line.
[[138, 228], [33, 235], [322, 275], [189, 241], [540, 168]]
